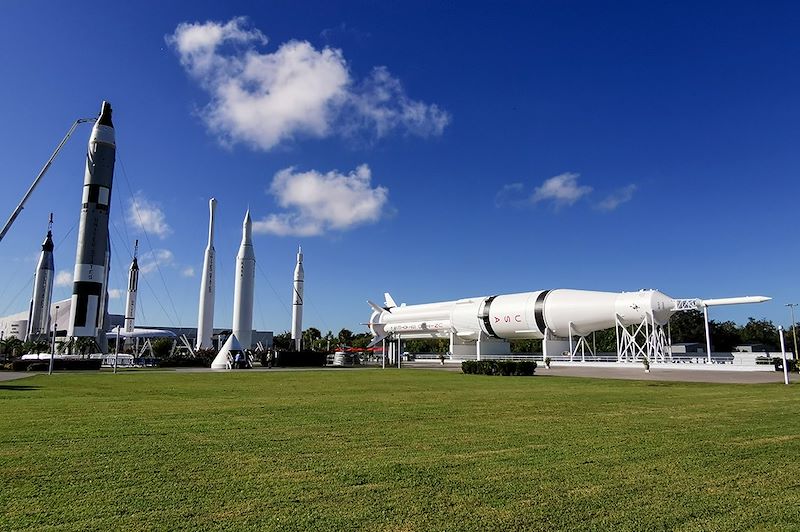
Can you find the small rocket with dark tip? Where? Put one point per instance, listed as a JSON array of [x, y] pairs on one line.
[[133, 287], [39, 315], [244, 286], [297, 301], [92, 257]]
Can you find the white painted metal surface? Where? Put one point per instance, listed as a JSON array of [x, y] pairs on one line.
[[297, 301], [244, 286], [205, 311]]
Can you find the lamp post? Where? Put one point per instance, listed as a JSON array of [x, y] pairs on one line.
[[53, 350], [794, 327]]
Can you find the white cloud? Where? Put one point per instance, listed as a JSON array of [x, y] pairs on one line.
[[188, 271], [151, 260], [64, 278], [115, 293], [562, 189], [617, 198], [509, 195], [320, 202], [147, 216], [262, 98]]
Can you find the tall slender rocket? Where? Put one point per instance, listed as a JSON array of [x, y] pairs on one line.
[[91, 260], [297, 301], [133, 288], [39, 316], [205, 311], [244, 286]]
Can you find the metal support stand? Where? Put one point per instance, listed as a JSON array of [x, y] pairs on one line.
[[708, 333]]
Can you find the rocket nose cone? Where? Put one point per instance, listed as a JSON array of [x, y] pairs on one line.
[[105, 115], [47, 245]]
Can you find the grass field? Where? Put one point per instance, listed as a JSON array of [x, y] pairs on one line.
[[409, 450]]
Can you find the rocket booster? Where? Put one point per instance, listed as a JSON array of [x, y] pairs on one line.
[[205, 312], [297, 301], [133, 288], [39, 317], [530, 315], [244, 286], [92, 259]]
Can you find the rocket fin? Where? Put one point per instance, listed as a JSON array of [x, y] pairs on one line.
[[376, 308], [378, 339], [389, 301]]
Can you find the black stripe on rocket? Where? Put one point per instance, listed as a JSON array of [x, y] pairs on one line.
[[84, 289], [487, 322], [538, 311]]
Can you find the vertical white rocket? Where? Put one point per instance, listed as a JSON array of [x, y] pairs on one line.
[[92, 256], [297, 301], [133, 287], [39, 316], [205, 312], [244, 286]]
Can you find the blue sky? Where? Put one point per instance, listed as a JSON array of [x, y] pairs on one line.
[[430, 149]]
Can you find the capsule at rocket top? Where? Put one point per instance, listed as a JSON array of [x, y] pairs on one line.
[[133, 288], [529, 315], [39, 316], [297, 301], [91, 261], [244, 286], [205, 311]]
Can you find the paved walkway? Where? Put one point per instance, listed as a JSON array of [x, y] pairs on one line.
[[637, 373], [14, 375]]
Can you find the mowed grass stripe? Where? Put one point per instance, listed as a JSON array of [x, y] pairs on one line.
[[394, 450]]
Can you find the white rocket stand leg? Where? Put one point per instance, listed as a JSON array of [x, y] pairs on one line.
[[783, 353], [383, 354], [571, 349], [399, 351], [478, 347]]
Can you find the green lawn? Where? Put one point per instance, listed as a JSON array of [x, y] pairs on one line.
[[395, 450]]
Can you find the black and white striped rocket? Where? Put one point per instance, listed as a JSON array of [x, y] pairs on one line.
[[297, 301], [244, 286], [92, 257], [205, 312], [39, 315], [133, 288]]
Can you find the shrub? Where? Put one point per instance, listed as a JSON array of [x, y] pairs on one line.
[[59, 364], [289, 359], [200, 360], [495, 367], [791, 364]]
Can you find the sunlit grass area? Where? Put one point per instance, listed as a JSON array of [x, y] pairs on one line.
[[394, 450]]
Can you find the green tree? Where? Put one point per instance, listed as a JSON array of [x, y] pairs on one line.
[[725, 335], [760, 332], [345, 337], [311, 338], [687, 326], [282, 341], [162, 347]]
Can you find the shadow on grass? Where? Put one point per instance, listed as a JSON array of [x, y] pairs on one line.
[[18, 387]]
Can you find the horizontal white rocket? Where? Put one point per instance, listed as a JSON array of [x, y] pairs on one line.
[[531, 315]]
